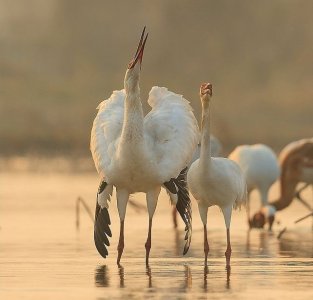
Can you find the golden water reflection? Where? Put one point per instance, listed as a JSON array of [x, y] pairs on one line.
[[39, 236], [125, 278]]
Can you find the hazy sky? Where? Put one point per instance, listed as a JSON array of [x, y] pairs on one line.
[[58, 59]]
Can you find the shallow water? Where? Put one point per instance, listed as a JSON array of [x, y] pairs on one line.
[[44, 256]]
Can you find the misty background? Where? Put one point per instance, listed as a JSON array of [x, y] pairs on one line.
[[59, 59]]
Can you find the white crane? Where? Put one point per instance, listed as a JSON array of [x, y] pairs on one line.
[[216, 150], [137, 153], [260, 165], [215, 180]]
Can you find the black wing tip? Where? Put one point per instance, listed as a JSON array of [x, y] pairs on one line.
[[170, 186], [102, 230], [179, 186], [186, 248], [102, 250], [188, 235], [102, 187]]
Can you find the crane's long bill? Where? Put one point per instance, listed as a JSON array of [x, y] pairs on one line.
[[141, 39], [140, 49]]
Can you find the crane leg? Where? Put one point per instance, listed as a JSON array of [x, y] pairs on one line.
[[248, 210], [152, 200], [122, 199], [228, 250], [205, 245], [120, 246], [174, 215], [148, 242]]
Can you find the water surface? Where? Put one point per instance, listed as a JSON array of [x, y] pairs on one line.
[[44, 256]]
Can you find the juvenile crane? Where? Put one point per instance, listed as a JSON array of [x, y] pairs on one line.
[[296, 162], [215, 180], [137, 153]]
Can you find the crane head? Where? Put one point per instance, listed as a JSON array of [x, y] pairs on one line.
[[257, 221], [206, 91], [139, 53]]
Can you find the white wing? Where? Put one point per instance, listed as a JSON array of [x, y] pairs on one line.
[[172, 131], [105, 133], [106, 130]]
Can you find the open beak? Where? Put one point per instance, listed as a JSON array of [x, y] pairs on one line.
[[139, 53]]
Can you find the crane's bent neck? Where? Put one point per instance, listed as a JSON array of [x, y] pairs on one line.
[[287, 189], [205, 152]]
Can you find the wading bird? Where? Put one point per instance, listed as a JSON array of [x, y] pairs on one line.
[[260, 166], [216, 150], [137, 153], [215, 180], [296, 162]]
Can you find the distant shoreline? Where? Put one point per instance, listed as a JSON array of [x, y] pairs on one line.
[[47, 164]]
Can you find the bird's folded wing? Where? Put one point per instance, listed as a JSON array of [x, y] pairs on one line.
[[106, 129], [173, 130]]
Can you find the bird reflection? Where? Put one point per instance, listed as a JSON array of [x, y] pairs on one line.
[[296, 244], [261, 241], [188, 277], [205, 279], [228, 278], [149, 274], [248, 241], [121, 274], [101, 276]]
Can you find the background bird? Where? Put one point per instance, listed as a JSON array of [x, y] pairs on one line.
[[215, 180], [296, 163], [260, 167], [137, 153]]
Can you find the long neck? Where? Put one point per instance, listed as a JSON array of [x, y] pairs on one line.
[[205, 152], [132, 131], [287, 190]]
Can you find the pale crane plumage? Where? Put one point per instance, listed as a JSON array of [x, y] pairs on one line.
[[137, 153], [215, 180], [260, 166], [216, 150]]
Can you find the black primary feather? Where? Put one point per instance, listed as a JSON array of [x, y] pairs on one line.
[[179, 186], [101, 228]]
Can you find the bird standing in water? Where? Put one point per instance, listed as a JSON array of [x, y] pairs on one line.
[[137, 153], [296, 163], [216, 150], [260, 165], [215, 180]]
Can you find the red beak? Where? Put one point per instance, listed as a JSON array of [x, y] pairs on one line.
[[139, 53]]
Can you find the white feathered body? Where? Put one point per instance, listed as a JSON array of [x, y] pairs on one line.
[[152, 150], [221, 184], [259, 165]]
